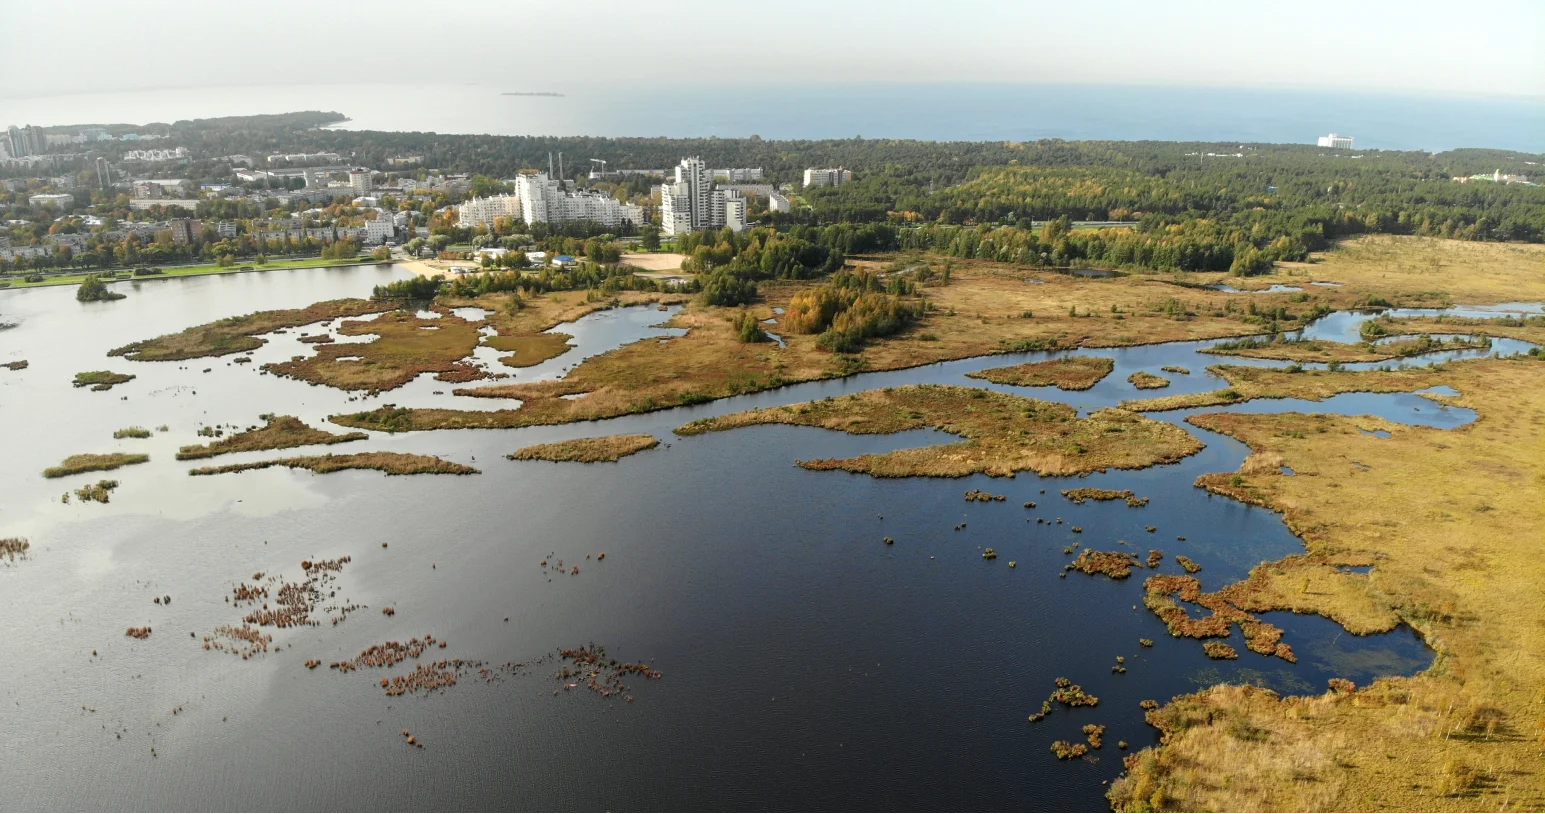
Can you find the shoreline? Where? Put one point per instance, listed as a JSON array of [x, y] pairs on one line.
[[173, 273]]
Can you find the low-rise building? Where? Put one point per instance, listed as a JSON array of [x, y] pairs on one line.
[[776, 202], [380, 230], [832, 177], [58, 200]]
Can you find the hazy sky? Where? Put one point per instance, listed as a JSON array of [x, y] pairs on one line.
[[1481, 47]]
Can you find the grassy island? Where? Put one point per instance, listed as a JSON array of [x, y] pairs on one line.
[[241, 334], [279, 432], [392, 463], [587, 450], [1248, 383], [406, 346], [1147, 381], [1319, 350], [76, 464], [1004, 434], [1069, 373], [101, 379]]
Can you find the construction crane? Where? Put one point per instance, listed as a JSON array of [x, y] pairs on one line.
[[600, 161]]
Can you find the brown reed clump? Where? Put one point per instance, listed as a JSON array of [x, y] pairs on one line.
[[76, 464], [1147, 381], [589, 667], [278, 432], [1094, 732], [1088, 493], [1066, 751], [1155, 558], [983, 497], [1187, 563], [1161, 591], [13, 547], [98, 491], [609, 449], [18, 365], [1113, 564], [243, 640], [138, 632], [386, 654], [1070, 373], [100, 379], [1219, 650], [392, 463]]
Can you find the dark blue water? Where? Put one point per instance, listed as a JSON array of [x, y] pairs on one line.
[[807, 664]]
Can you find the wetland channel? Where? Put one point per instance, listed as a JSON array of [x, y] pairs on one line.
[[805, 663]]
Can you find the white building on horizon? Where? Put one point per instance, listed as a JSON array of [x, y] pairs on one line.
[[691, 202], [835, 176], [1336, 141]]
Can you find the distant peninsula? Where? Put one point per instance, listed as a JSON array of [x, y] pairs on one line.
[[529, 93]]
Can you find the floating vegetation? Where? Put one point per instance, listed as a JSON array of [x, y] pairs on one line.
[[76, 464], [96, 492], [610, 448], [1067, 694], [280, 432], [983, 497], [1183, 371], [1003, 433], [1147, 381], [12, 548], [293, 605], [1187, 563], [100, 379], [989, 554], [131, 432], [1070, 373], [1161, 591], [1081, 495], [387, 654], [138, 632], [316, 339], [1094, 732], [591, 669], [21, 365], [1219, 650], [239, 334], [1113, 564], [238, 640], [1155, 558], [392, 463], [1145, 642], [1066, 751]]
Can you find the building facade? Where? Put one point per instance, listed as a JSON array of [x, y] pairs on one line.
[[691, 202], [359, 181], [776, 202], [1336, 141], [380, 230], [835, 176], [543, 200], [483, 211], [60, 200]]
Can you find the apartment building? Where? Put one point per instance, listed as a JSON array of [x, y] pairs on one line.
[[692, 202], [827, 177]]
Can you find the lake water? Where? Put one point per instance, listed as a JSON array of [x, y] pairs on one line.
[[941, 112], [806, 664]]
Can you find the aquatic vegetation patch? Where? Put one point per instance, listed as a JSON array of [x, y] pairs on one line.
[[1067, 694], [979, 496], [89, 462], [98, 492], [1067, 751], [1246, 383], [404, 347], [239, 334], [392, 463], [1147, 381], [587, 450], [1094, 733], [1183, 371], [1113, 564], [131, 432], [101, 379], [278, 432], [1068, 373], [1187, 563], [1004, 433], [526, 350], [17, 365], [1219, 650], [13, 548], [1081, 495], [1161, 592]]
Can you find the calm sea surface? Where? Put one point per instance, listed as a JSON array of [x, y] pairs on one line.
[[806, 664], [946, 112]]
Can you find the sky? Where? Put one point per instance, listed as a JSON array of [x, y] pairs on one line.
[[1476, 48]]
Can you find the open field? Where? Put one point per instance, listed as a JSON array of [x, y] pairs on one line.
[[654, 261], [240, 334], [90, 462], [75, 278], [1450, 520], [1071, 373], [1003, 434], [279, 432], [587, 450], [392, 463], [1423, 269]]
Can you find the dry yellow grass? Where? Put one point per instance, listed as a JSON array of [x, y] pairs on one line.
[[279, 432], [1451, 521], [1147, 381], [90, 462], [1529, 329], [392, 463], [1070, 373], [405, 346], [1004, 434], [239, 334], [530, 349], [587, 450], [1412, 270]]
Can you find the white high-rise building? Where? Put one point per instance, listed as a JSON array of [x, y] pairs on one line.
[[483, 211], [543, 200], [827, 177], [776, 202], [359, 181], [1337, 141], [380, 230], [691, 202]]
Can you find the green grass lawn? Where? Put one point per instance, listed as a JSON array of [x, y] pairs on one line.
[[74, 278]]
